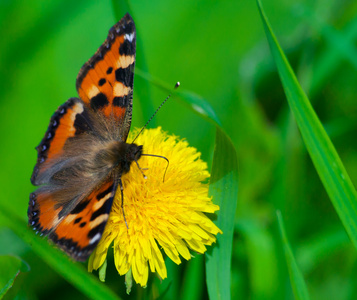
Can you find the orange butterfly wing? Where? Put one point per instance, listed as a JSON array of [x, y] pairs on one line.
[[105, 82], [63, 126], [105, 87], [77, 230]]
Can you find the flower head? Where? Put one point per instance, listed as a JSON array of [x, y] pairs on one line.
[[164, 211]]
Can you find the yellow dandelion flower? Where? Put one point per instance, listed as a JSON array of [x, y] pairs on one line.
[[161, 214]]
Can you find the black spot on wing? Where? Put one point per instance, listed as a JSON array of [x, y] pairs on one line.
[[77, 220], [103, 210], [104, 193], [121, 101], [125, 75], [129, 27], [99, 101], [110, 70], [80, 207], [97, 229], [101, 81], [81, 123], [127, 47]]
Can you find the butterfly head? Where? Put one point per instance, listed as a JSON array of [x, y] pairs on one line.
[[125, 154], [134, 152]]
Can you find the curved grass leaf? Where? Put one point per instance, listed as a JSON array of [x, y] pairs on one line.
[[297, 280], [191, 100], [322, 152], [73, 272], [10, 268]]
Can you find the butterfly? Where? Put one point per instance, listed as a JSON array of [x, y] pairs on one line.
[[84, 153]]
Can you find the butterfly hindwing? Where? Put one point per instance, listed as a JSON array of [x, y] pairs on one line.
[[105, 82], [76, 229]]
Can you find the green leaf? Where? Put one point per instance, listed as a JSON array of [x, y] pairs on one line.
[[297, 280], [194, 102], [322, 152], [73, 272], [10, 268], [224, 189]]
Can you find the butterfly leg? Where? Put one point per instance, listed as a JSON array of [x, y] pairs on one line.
[[159, 156], [122, 200], [141, 169]]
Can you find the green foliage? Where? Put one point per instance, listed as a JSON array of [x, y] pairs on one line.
[[231, 100], [73, 272], [224, 189], [297, 280], [322, 152], [10, 268]]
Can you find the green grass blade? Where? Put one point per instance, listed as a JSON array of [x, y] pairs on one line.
[[74, 273], [297, 280], [224, 189], [191, 100], [10, 268], [322, 152]]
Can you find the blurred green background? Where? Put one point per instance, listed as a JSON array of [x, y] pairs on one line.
[[218, 50]]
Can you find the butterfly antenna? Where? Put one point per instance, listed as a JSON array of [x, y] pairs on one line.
[[167, 98]]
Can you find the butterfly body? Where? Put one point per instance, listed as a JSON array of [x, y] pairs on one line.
[[84, 152]]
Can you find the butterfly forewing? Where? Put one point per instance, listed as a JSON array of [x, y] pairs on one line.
[[67, 122], [105, 82]]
